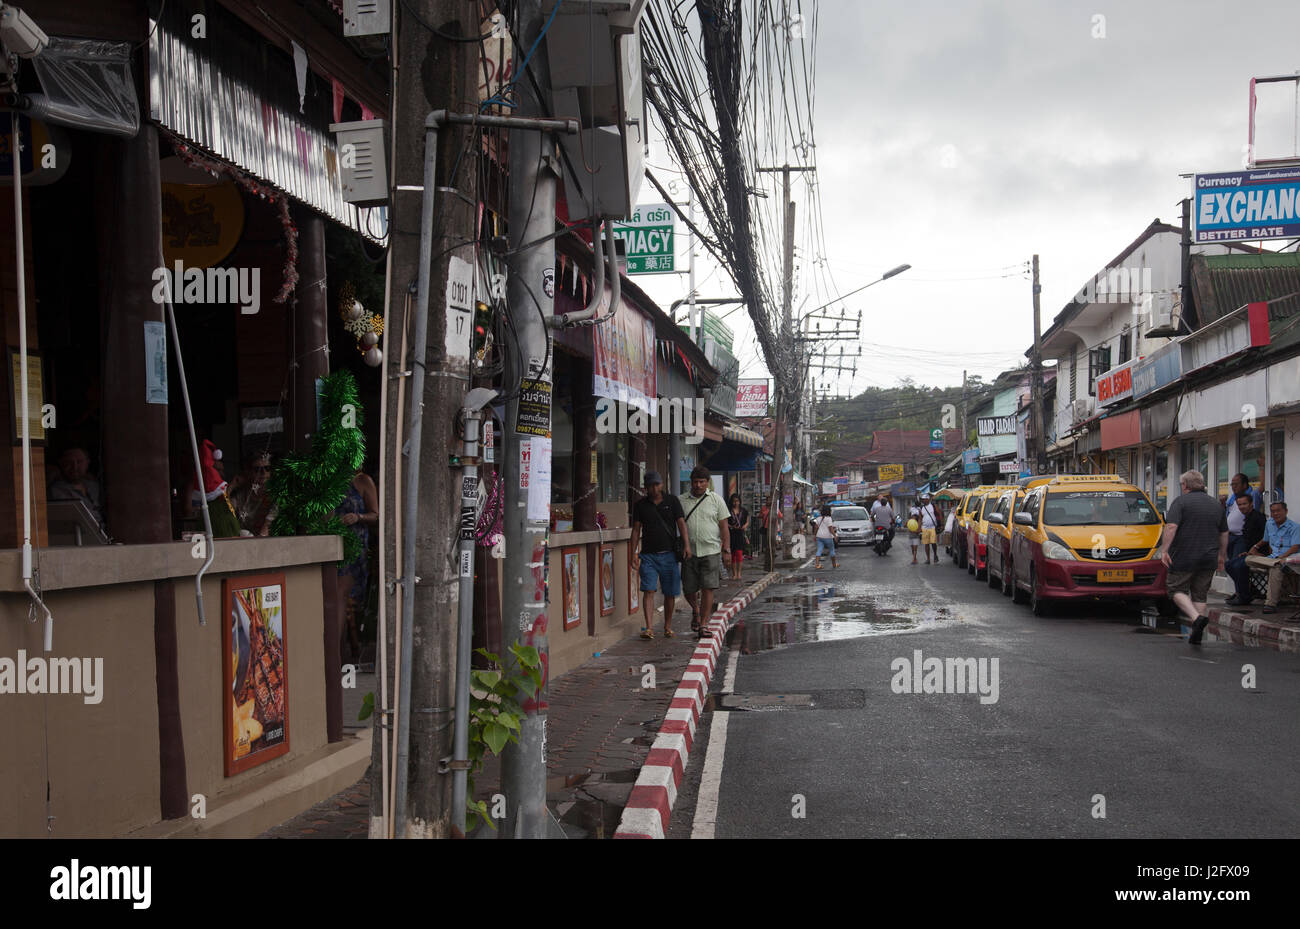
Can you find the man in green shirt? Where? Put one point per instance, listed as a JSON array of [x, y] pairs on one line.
[[706, 527]]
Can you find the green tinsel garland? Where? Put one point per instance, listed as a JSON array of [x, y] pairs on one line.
[[308, 488]]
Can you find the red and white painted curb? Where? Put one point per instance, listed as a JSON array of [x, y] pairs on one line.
[[655, 791], [1247, 630]]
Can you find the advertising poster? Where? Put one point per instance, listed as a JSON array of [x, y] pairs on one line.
[[606, 580], [255, 692], [633, 586], [624, 359], [751, 397], [569, 568]]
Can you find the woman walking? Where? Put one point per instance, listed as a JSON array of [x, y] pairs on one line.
[[738, 524], [826, 535]]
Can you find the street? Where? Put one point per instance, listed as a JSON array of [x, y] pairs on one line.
[[1097, 727]]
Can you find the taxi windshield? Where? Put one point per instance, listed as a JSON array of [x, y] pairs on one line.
[[841, 514], [1099, 508]]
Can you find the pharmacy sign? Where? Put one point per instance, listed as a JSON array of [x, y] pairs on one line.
[[648, 237]]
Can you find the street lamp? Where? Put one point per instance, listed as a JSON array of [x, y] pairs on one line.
[[884, 277]]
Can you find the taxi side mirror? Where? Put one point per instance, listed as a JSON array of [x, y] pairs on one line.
[[1024, 519], [998, 519]]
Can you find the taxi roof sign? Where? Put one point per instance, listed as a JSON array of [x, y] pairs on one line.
[[1087, 479]]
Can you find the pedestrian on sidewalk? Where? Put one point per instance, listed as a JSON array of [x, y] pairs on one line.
[[826, 535], [709, 538], [737, 525], [1282, 539], [656, 560], [1250, 534], [1195, 544]]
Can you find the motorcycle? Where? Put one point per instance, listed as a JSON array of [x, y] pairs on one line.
[[882, 540]]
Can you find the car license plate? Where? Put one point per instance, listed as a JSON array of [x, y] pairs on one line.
[[1115, 576]]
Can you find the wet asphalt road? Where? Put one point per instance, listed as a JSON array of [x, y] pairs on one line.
[[1089, 706]]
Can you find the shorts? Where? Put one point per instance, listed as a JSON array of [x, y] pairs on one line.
[[703, 572], [660, 569], [825, 545], [1198, 582], [927, 537]]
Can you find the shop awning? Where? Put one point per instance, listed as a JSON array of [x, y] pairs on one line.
[[742, 435], [732, 456]]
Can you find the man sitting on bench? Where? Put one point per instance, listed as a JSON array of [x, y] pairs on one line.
[[1282, 540]]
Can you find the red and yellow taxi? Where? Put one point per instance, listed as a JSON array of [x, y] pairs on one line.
[[1085, 536], [998, 538], [961, 523], [977, 526]]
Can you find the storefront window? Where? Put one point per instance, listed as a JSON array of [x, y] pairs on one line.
[[1187, 461], [1250, 446], [1221, 464], [1203, 459], [1162, 478], [613, 468], [561, 456], [1277, 444]]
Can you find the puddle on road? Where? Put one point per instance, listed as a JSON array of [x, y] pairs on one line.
[[804, 610]]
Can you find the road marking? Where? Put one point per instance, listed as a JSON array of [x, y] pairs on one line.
[[706, 807], [1201, 660]]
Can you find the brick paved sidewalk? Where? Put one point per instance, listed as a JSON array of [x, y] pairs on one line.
[[599, 731]]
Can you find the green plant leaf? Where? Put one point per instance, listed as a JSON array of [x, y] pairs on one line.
[[526, 654], [488, 679], [495, 659], [496, 737], [367, 706], [509, 720]]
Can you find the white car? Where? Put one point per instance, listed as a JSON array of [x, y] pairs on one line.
[[853, 525]]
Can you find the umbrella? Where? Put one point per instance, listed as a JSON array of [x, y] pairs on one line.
[[950, 493]]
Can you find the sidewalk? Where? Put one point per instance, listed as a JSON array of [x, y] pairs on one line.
[[1249, 625], [600, 728]]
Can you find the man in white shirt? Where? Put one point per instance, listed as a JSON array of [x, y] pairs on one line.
[[929, 527]]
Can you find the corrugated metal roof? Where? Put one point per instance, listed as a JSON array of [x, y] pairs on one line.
[[1223, 283]]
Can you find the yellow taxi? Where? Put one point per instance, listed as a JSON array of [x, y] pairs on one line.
[[961, 523], [1080, 536], [998, 539], [977, 526]]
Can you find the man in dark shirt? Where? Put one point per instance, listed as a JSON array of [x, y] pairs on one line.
[[1251, 534], [1195, 545], [657, 523]]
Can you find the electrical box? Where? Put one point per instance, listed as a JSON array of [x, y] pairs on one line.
[[363, 161], [594, 56], [367, 17]]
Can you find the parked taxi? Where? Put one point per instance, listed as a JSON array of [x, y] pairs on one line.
[[961, 523], [1085, 536], [999, 519], [977, 526]]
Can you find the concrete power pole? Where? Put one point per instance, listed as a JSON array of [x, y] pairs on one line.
[[530, 296], [787, 390], [1039, 450], [434, 73]]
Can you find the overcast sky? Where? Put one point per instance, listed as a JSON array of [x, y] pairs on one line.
[[964, 137]]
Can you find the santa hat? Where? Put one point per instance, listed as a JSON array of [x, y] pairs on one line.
[[213, 484]]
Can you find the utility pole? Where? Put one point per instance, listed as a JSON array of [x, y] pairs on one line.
[[965, 436], [528, 430], [431, 73], [1039, 450], [787, 381]]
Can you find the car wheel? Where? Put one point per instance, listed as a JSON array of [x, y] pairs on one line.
[[1037, 605], [989, 575], [1017, 595]]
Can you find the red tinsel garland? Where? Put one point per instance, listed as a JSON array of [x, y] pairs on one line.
[[281, 201]]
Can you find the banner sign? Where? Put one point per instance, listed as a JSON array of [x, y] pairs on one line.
[[996, 425], [648, 235], [1115, 385], [624, 359], [936, 440], [1160, 368], [890, 472], [1236, 205], [1009, 467], [751, 397], [970, 461]]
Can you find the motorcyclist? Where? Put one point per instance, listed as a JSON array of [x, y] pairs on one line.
[[882, 514]]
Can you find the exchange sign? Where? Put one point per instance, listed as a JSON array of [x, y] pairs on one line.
[[1236, 205], [648, 236]]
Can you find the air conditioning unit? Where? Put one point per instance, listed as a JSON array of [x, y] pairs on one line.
[[1082, 409], [1164, 315]]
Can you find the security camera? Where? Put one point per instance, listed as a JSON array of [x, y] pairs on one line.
[[20, 35]]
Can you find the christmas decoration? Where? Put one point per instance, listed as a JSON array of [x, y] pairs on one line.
[[224, 522], [308, 488], [364, 326], [278, 198]]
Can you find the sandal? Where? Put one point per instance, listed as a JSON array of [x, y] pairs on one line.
[[668, 634], [647, 634]]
